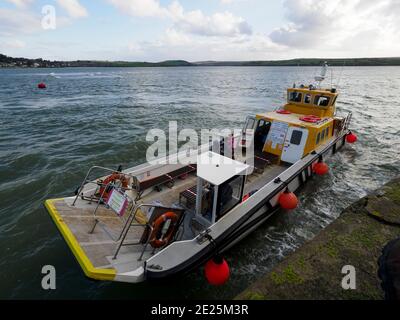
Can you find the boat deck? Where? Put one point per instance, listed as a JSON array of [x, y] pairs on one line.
[[99, 246], [97, 249]]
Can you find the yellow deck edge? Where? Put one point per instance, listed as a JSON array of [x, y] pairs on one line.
[[87, 266]]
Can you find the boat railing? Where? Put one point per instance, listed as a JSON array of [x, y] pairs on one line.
[[133, 208], [347, 121], [130, 223], [101, 199], [346, 124], [96, 182]]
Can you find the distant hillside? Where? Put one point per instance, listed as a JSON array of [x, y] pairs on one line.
[[9, 62], [168, 63], [308, 62]]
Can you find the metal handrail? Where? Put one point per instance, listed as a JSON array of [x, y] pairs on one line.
[[85, 181], [128, 225]]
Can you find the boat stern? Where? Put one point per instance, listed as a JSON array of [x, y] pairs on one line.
[[93, 251]]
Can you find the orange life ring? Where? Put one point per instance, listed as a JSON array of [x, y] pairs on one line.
[[157, 227], [283, 112], [105, 189], [310, 118]]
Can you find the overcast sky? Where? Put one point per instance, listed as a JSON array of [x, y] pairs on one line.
[[155, 30]]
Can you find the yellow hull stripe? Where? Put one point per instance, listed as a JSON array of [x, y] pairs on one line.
[[87, 266]]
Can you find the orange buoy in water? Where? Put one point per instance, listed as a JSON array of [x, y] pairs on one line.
[[42, 85], [320, 168], [351, 138], [217, 271], [288, 200]]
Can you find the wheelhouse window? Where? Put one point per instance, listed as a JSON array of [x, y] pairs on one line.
[[250, 123], [327, 132], [296, 137], [207, 201], [229, 195], [318, 137], [307, 98], [295, 96], [323, 135], [322, 101]]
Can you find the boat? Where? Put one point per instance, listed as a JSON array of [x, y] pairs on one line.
[[159, 220]]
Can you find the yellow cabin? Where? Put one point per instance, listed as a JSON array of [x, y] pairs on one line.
[[305, 122]]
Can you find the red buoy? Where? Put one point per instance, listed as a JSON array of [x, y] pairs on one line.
[[288, 200], [42, 85], [320, 168], [217, 271], [351, 138]]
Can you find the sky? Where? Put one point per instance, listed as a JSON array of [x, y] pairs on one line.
[[157, 30]]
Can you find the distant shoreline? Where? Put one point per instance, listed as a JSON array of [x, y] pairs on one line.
[[10, 62]]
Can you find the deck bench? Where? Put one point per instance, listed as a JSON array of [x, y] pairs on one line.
[[189, 195], [260, 162], [165, 175]]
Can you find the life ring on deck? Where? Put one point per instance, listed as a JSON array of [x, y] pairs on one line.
[[158, 225], [105, 185], [310, 118], [283, 111]]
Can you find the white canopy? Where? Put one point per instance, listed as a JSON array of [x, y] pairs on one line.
[[217, 169]]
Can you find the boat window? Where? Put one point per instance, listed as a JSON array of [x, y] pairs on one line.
[[334, 100], [327, 132], [323, 135], [307, 98], [295, 96], [322, 101], [207, 201], [318, 137], [296, 137], [260, 136], [250, 123], [229, 195]]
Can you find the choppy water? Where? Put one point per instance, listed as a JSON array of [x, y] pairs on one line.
[[49, 138]]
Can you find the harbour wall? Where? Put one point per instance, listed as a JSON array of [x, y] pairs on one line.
[[321, 268]]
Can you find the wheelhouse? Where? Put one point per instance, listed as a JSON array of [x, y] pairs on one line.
[[220, 184]]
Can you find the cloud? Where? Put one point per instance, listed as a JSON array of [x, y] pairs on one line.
[[17, 22], [218, 24], [340, 25], [12, 44], [74, 8], [140, 8], [175, 44], [21, 3], [193, 22]]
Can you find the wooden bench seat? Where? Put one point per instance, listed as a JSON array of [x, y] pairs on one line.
[[189, 195], [142, 183]]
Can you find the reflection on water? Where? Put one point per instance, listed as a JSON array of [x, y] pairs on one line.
[[49, 138]]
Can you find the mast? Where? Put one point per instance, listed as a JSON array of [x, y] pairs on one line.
[[322, 75]]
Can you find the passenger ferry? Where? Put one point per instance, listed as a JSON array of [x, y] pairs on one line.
[[158, 220]]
